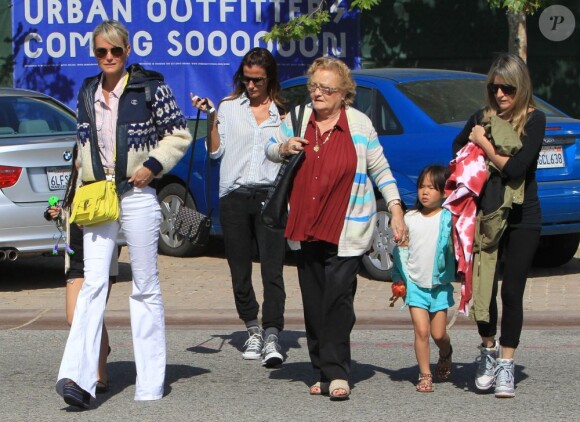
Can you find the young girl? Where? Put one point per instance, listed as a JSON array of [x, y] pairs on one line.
[[426, 264]]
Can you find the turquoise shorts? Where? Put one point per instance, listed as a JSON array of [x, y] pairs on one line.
[[435, 299]]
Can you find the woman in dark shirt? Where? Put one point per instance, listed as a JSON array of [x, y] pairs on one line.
[[509, 96]]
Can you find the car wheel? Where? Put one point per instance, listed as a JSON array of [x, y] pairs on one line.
[[378, 261], [170, 242], [556, 250]]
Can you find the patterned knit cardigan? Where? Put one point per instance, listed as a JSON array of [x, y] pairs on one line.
[[361, 213], [151, 129]]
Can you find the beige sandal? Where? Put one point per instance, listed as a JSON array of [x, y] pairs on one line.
[[425, 384], [444, 365], [335, 390], [319, 389]]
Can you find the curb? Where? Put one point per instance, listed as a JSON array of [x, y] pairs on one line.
[[42, 319]]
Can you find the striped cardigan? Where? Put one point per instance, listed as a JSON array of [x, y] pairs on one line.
[[359, 221]]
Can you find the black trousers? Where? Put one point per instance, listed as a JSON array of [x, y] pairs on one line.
[[518, 248], [241, 224], [328, 285]]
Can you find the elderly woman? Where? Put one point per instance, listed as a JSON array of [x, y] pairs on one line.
[[332, 214], [130, 130]]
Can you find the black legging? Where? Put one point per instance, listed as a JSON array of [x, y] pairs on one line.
[[518, 248]]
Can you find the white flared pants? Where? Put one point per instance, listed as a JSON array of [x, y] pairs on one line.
[[139, 220]]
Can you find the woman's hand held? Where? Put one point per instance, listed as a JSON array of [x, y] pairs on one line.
[[204, 104]]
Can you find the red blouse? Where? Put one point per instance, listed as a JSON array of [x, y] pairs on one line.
[[322, 184]]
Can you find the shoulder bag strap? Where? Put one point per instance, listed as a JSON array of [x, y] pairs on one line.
[[190, 166], [297, 120], [96, 162], [208, 175]]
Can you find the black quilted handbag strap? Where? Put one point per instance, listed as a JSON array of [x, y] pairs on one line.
[[297, 120], [190, 167]]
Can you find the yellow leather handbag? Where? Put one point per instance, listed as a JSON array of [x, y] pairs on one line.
[[95, 203]]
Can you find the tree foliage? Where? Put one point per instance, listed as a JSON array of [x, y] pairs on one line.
[[310, 24], [527, 7], [299, 27]]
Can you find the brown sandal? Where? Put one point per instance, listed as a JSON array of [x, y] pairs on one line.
[[444, 365], [425, 384]]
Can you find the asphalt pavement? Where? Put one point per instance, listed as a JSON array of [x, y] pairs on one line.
[[208, 380]]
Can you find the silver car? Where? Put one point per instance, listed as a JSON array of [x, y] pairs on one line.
[[37, 134]]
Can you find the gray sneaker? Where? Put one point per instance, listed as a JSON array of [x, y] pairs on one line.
[[271, 352], [253, 346], [504, 378], [485, 375]]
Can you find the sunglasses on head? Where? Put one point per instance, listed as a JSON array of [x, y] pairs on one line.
[[506, 89], [102, 52], [257, 81]]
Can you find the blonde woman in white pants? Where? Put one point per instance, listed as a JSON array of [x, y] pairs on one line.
[[130, 130]]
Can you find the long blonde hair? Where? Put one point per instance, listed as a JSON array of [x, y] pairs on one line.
[[512, 70]]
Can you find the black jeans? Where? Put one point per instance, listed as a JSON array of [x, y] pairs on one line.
[[518, 248], [328, 286], [241, 224]]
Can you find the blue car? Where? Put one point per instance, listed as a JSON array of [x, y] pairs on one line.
[[417, 113]]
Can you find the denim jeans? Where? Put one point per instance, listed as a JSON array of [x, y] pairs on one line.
[[241, 224]]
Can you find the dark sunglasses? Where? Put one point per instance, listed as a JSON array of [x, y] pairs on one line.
[[102, 52], [257, 81], [506, 89]]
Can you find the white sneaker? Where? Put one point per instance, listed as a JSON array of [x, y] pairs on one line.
[[253, 346], [271, 352], [504, 379], [485, 375]]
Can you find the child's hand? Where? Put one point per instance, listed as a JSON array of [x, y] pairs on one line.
[[54, 212], [398, 290]]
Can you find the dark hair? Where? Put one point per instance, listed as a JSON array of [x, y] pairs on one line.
[[439, 175], [71, 186], [260, 57]]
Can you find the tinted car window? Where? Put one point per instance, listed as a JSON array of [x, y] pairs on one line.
[[368, 100], [446, 100], [295, 95], [29, 116]]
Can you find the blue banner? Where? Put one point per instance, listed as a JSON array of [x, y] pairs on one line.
[[196, 44]]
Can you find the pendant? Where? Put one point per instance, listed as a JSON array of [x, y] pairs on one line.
[[316, 148]]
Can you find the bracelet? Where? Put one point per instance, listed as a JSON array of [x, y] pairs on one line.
[[280, 151], [393, 202]]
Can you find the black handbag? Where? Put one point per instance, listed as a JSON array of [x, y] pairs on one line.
[[275, 208], [190, 223]]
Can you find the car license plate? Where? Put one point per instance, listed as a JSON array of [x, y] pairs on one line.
[[57, 177], [551, 157]]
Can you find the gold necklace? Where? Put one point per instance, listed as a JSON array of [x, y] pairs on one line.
[[317, 147]]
